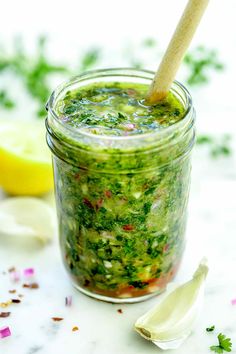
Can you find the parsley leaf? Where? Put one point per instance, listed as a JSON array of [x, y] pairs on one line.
[[210, 329], [224, 344]]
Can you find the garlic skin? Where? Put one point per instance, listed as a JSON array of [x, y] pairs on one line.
[[25, 218], [170, 322]]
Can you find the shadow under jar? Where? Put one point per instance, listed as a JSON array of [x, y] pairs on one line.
[[121, 200]]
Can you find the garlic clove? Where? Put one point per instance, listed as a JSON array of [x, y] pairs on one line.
[[27, 218], [170, 322]]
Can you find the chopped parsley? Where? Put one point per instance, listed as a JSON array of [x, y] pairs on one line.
[[224, 344]]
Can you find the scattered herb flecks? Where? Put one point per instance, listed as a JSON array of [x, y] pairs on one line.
[[199, 63], [210, 329], [5, 101], [90, 59], [34, 72], [218, 146]]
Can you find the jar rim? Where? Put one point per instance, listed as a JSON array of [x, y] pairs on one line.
[[186, 121]]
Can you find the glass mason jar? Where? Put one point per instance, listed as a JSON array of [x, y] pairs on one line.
[[121, 200]]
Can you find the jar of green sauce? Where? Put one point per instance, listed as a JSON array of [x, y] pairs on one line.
[[122, 175]]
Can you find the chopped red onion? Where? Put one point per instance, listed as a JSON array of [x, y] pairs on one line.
[[68, 301], [5, 332], [129, 126], [233, 302], [28, 272], [15, 276]]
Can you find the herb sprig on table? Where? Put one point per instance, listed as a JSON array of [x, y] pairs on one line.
[[89, 59], [37, 71], [224, 344], [218, 146], [34, 72], [199, 63], [5, 101]]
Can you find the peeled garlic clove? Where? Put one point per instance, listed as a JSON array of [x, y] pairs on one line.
[[170, 322], [27, 217]]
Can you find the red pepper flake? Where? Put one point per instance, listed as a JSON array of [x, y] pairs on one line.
[[34, 286], [166, 248], [12, 291], [99, 203], [12, 269], [4, 314], [108, 194], [31, 286], [57, 319], [120, 311], [131, 92], [75, 328], [88, 203], [15, 301], [128, 227]]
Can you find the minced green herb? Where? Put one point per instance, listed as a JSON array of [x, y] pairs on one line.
[[118, 109]]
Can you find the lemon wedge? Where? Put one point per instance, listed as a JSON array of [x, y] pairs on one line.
[[25, 160], [170, 322], [27, 218]]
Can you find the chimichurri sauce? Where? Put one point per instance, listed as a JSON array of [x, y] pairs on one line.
[[117, 109], [121, 228]]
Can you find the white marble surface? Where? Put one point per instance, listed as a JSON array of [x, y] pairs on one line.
[[102, 330], [212, 210]]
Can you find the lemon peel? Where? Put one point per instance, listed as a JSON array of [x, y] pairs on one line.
[[25, 160]]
